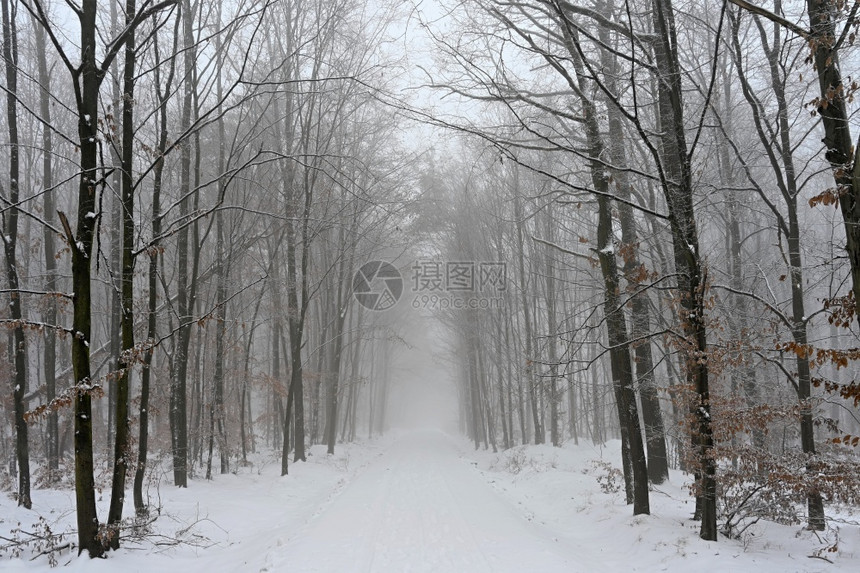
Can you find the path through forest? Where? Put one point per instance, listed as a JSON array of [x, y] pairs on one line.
[[421, 506], [423, 501]]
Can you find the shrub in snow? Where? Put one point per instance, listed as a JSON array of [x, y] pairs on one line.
[[36, 541], [609, 478]]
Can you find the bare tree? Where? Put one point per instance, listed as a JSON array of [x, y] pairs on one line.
[[51, 271], [775, 136], [10, 212], [86, 79]]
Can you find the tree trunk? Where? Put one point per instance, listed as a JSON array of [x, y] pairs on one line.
[[781, 157], [655, 434], [598, 432], [87, 83], [126, 361], [184, 298], [531, 383], [18, 350], [616, 324], [622, 374], [152, 274], [222, 270], [51, 275], [503, 382], [552, 327], [678, 189], [837, 140], [341, 299]]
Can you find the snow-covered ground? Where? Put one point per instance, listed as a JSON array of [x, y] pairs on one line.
[[425, 501], [558, 490]]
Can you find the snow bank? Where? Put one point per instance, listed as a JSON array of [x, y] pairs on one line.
[[560, 489]]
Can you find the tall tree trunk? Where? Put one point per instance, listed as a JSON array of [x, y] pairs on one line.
[[220, 317], [126, 361], [781, 157], [531, 383], [341, 300], [509, 374], [152, 273], [287, 419], [245, 401], [354, 376], [222, 269], [277, 388], [655, 434], [503, 381], [833, 111], [616, 324], [184, 294], [622, 373], [573, 413], [112, 219], [743, 378], [552, 327], [296, 321], [678, 189], [521, 406], [18, 349], [815, 505], [297, 212], [322, 374], [51, 274], [87, 82]]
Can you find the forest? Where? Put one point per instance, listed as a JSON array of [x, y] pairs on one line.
[[248, 230]]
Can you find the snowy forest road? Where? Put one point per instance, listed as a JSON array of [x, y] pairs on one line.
[[421, 507]]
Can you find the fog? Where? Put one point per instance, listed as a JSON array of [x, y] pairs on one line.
[[423, 392]]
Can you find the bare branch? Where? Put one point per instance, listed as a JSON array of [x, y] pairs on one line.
[[772, 17]]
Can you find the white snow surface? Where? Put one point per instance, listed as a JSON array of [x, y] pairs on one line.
[[421, 507], [424, 501]]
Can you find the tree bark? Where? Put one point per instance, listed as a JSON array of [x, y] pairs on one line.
[[552, 327], [18, 350], [841, 153], [341, 299], [531, 383], [185, 296], [162, 95], [616, 324], [678, 190], [51, 274], [658, 464], [780, 154]]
